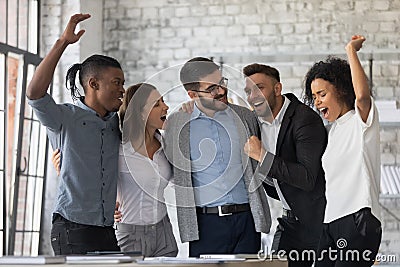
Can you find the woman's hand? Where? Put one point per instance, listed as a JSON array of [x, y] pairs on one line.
[[117, 213], [56, 160], [355, 42]]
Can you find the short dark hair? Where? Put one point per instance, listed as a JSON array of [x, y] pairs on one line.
[[195, 69], [335, 71], [92, 66], [261, 68]]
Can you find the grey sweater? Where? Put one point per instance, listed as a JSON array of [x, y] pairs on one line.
[[177, 150]]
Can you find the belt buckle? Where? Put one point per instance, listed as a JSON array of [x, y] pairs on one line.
[[220, 213], [285, 212]]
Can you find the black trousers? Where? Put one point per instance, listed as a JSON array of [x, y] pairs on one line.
[[352, 240], [295, 240], [231, 234], [69, 238]]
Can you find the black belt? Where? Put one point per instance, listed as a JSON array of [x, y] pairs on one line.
[[224, 210]]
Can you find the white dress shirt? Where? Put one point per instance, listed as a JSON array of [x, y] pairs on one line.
[[352, 165], [141, 185], [269, 137]]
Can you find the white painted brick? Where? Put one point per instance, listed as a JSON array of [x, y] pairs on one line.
[[167, 12], [200, 31], [152, 33], [388, 26], [150, 3], [385, 16], [303, 6], [217, 20], [263, 8], [302, 28], [390, 70], [252, 30], [127, 3], [345, 6], [371, 27], [110, 25], [133, 12], [292, 83], [380, 5], [302, 47], [249, 8], [52, 3], [276, 17], [362, 5], [218, 31], [167, 32], [117, 13], [269, 29], [199, 11], [149, 12], [300, 71], [286, 28], [384, 92], [108, 4], [215, 10], [184, 32], [182, 53], [279, 7], [397, 94], [182, 12], [110, 45], [235, 30], [232, 9], [171, 43], [251, 49], [54, 11], [247, 20], [388, 159], [388, 136], [184, 22]]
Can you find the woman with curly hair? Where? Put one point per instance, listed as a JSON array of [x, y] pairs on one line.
[[339, 90]]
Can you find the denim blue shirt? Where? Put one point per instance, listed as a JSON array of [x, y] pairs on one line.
[[89, 148], [217, 171]]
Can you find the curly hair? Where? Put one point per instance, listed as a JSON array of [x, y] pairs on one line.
[[335, 71]]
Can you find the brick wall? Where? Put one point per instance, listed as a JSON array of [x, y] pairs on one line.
[[149, 36]]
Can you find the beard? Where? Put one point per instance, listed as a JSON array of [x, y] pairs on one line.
[[218, 103]]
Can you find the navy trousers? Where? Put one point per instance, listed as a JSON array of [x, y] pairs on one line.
[[232, 234]]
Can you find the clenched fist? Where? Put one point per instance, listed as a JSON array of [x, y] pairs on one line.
[[254, 148]]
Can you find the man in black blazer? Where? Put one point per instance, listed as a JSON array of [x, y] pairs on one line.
[[293, 141]]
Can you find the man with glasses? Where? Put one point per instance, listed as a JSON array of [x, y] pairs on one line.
[[218, 211]]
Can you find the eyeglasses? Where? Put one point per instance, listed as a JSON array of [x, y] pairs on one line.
[[213, 89]]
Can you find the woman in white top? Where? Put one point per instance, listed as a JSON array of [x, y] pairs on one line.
[[144, 173], [339, 90]]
